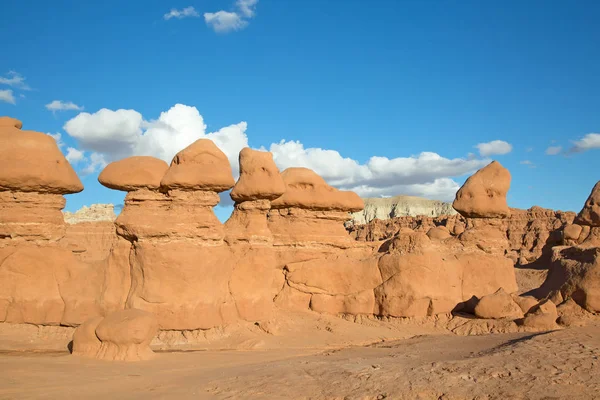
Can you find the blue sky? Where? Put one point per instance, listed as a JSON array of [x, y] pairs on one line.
[[415, 84]]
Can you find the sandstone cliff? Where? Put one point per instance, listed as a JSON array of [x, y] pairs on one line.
[[399, 206]]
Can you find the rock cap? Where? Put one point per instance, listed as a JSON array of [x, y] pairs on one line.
[[259, 177], [200, 166], [32, 162], [305, 189], [134, 173]]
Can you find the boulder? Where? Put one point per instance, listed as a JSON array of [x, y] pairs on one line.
[[438, 233], [542, 316], [498, 305], [483, 195], [134, 173]]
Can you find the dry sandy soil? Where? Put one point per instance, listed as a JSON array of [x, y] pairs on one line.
[[320, 359]]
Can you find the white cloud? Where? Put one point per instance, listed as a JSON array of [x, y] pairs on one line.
[[224, 21], [122, 133], [495, 147], [530, 164], [553, 150], [58, 105], [15, 80], [183, 13], [96, 163], [246, 7], [588, 142], [74, 156], [115, 134], [7, 96], [229, 21], [57, 137]]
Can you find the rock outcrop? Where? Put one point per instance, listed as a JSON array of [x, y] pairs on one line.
[[401, 206], [121, 336], [483, 195]]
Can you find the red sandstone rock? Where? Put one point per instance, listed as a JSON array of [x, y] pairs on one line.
[[259, 177], [121, 336], [483, 195], [498, 305], [542, 316], [10, 122], [32, 162], [305, 189], [133, 173], [590, 213], [200, 166]]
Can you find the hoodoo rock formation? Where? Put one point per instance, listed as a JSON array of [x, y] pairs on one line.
[[122, 336], [42, 282], [167, 263]]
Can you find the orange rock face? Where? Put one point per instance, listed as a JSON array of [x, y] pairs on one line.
[[133, 173], [484, 194], [590, 214]]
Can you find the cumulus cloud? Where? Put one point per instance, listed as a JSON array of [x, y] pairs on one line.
[[229, 21], [588, 142], [74, 156], [180, 14], [95, 163], [14, 79], [59, 105], [57, 137], [495, 147], [122, 133], [7, 96], [111, 135], [553, 150]]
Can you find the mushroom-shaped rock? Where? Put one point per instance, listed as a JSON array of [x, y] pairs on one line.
[[32, 162], [10, 122], [498, 305], [590, 214], [305, 189], [134, 173], [259, 177], [200, 166], [484, 194], [85, 341], [126, 335]]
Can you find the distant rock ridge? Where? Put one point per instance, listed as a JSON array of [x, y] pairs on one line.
[[401, 206], [93, 213]]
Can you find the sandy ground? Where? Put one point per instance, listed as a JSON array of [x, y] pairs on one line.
[[548, 365]]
